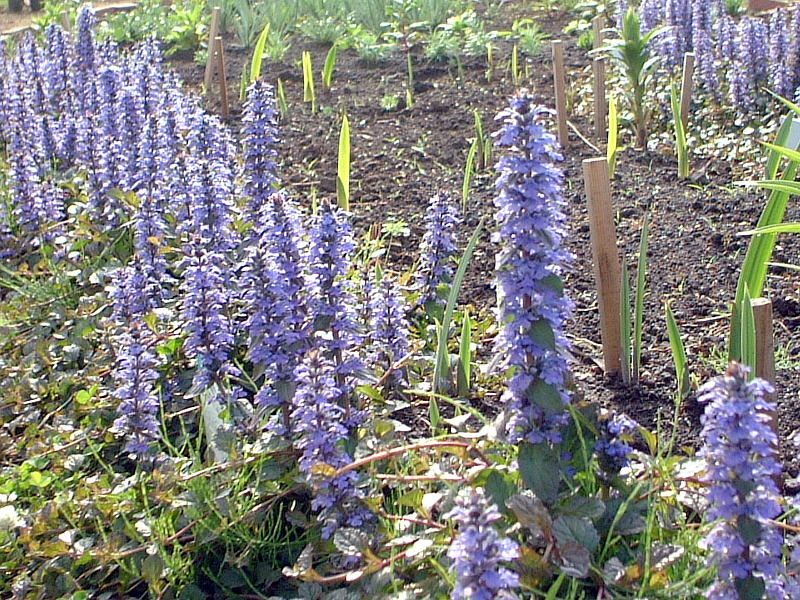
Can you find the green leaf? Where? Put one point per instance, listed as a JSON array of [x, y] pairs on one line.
[[327, 68], [152, 568], [546, 397], [577, 529], [442, 359], [747, 332], [639, 293], [500, 488], [343, 169], [465, 355], [750, 588], [582, 506], [258, 54], [540, 470], [625, 322], [533, 515], [542, 333], [678, 353], [613, 130], [749, 529], [350, 541], [574, 558]]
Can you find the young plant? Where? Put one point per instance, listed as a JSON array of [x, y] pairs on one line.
[[680, 134], [483, 141], [632, 345], [613, 135], [469, 172], [328, 67], [754, 269], [633, 56], [283, 104], [678, 354], [516, 76], [343, 168], [442, 363], [258, 54], [309, 91]]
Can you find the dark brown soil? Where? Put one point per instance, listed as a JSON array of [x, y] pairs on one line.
[[402, 157]]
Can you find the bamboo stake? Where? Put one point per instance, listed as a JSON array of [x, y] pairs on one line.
[[213, 33], [605, 256], [765, 352], [597, 29], [599, 89], [223, 79], [687, 83], [559, 82]]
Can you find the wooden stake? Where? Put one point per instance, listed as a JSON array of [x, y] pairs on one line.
[[223, 79], [599, 89], [66, 24], [213, 33], [597, 29], [606, 259], [560, 84], [765, 352], [687, 83]]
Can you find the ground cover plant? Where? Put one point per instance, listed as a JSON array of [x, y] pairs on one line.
[[217, 383]]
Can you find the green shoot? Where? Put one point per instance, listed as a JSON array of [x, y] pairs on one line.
[[309, 92], [243, 84], [515, 74], [328, 67], [748, 333], [258, 54], [613, 133], [678, 354], [680, 134], [283, 105], [625, 324], [638, 314], [442, 360], [469, 170], [464, 376], [343, 169]]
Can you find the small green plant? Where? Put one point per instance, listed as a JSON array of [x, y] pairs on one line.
[[283, 105], [258, 54], [632, 54], [187, 26], [516, 75], [442, 47], [324, 31], [632, 344], [613, 136], [678, 354], [372, 50], [681, 148], [390, 102], [343, 169], [754, 269], [529, 36], [328, 67], [309, 91]]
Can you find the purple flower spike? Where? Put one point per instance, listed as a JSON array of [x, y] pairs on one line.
[[135, 372], [532, 308], [388, 326], [438, 249], [260, 127], [739, 450], [320, 423], [479, 550]]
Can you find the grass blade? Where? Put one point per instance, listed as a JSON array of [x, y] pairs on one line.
[[442, 360], [625, 324], [638, 310], [343, 169]]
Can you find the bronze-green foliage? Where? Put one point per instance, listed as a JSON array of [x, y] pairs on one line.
[[638, 66]]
